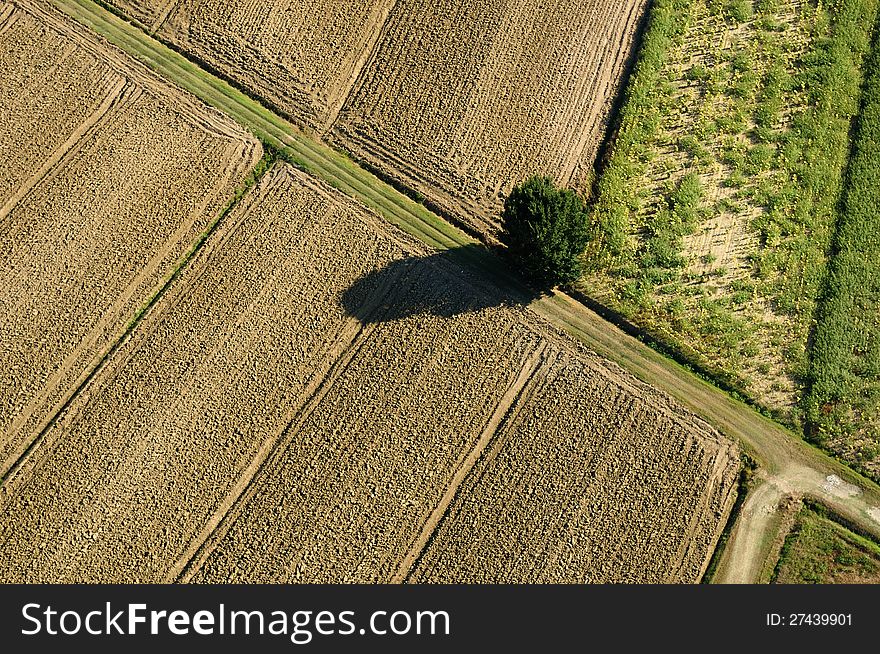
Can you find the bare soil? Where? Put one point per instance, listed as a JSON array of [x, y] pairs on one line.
[[576, 485], [529, 94], [108, 179], [306, 402], [301, 55]]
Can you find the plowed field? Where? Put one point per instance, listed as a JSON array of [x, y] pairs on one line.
[[311, 400], [301, 55], [462, 100], [573, 482], [455, 100], [108, 176]]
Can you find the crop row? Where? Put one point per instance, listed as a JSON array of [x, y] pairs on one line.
[[843, 406], [717, 209]]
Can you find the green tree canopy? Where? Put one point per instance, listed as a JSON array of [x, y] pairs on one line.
[[546, 231]]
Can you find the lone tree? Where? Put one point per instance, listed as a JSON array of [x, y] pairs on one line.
[[546, 231]]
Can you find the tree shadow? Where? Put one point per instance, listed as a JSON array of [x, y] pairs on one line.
[[445, 284]]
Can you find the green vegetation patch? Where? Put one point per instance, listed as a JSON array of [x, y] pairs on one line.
[[717, 209], [843, 406], [819, 550]]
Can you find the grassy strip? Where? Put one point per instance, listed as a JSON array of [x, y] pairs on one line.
[[794, 176], [272, 129], [259, 170], [843, 406], [262, 167], [771, 445]]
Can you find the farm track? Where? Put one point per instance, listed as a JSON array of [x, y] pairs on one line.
[[780, 452], [311, 415], [353, 490]]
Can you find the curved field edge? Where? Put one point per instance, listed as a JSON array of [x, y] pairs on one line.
[[770, 444], [843, 403]]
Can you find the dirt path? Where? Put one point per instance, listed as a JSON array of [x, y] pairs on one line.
[[750, 542], [789, 465]]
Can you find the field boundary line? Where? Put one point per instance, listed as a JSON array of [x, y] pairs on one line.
[[163, 16], [177, 239], [336, 359], [367, 56], [534, 362]]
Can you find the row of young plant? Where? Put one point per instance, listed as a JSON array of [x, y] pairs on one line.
[[799, 197], [843, 405]]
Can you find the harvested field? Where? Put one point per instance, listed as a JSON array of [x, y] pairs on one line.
[[575, 486], [530, 93], [719, 203], [109, 176], [305, 404], [375, 452], [302, 56], [173, 426]]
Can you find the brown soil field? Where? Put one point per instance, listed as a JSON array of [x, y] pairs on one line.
[[109, 176], [165, 433], [303, 56], [311, 397], [574, 488], [530, 93]]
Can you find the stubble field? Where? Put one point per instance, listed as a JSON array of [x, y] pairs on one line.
[[456, 101], [574, 462], [529, 93], [317, 393], [109, 176], [301, 56]]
